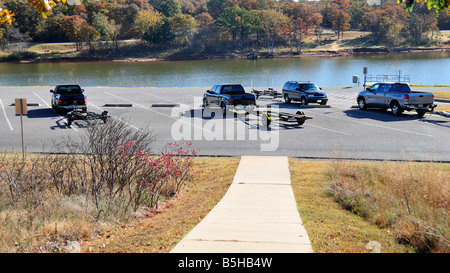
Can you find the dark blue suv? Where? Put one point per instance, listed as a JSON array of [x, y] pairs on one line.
[[305, 92]]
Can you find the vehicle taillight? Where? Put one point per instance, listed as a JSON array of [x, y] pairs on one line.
[[433, 95], [85, 100], [406, 97], [60, 101], [231, 101]]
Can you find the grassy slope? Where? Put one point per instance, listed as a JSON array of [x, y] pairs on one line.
[[331, 228]]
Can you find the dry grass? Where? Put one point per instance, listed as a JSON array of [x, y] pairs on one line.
[[48, 225], [442, 108], [159, 231], [330, 228], [411, 199], [442, 95]]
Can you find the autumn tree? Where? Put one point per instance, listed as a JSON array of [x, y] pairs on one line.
[[388, 24], [78, 30], [206, 31], [422, 21], [271, 24], [147, 21], [340, 20], [159, 35], [42, 7], [229, 21], [249, 23], [306, 19], [215, 7], [183, 28], [357, 10], [431, 4], [169, 8]]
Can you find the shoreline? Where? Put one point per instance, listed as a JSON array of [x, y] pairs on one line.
[[263, 55]]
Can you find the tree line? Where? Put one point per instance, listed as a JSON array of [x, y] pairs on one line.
[[212, 25]]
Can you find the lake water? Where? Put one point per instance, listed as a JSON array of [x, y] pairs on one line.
[[422, 68]]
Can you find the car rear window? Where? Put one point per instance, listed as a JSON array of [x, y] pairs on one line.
[[232, 89], [69, 90], [399, 87]]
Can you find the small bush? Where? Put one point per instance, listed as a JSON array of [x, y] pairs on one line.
[[21, 55]]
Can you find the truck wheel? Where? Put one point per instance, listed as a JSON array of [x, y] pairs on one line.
[[224, 109], [303, 101], [287, 99], [69, 120], [396, 110], [362, 104], [421, 112]]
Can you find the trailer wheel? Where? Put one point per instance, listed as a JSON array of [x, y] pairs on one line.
[[266, 119], [69, 119], [300, 121]]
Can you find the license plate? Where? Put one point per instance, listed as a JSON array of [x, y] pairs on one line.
[[420, 105]]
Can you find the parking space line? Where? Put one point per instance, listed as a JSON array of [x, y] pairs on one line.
[[51, 107], [146, 108], [377, 125], [329, 130], [187, 94], [158, 97], [4, 112], [132, 126]]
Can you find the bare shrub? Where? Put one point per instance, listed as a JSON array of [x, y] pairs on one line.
[[107, 173]]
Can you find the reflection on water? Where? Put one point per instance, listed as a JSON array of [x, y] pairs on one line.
[[423, 68]]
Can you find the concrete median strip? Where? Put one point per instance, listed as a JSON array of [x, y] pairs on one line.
[[258, 214], [118, 105]]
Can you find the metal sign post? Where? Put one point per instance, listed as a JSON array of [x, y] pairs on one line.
[[365, 74], [21, 109]]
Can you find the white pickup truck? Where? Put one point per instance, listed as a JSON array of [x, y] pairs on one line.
[[397, 96]]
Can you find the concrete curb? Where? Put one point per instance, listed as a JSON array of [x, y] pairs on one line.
[[258, 214], [118, 105]]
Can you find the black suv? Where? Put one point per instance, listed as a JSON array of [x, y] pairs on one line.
[[305, 92]]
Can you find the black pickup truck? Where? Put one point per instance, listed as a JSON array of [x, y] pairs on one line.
[[68, 96], [228, 96]]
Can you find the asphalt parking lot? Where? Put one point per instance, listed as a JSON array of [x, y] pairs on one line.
[[174, 114]]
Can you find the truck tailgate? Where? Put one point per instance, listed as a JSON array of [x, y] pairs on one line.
[[420, 98], [243, 99], [71, 99]]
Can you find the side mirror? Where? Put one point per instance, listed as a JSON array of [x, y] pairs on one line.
[[82, 90], [368, 89], [51, 91], [208, 91], [320, 88]]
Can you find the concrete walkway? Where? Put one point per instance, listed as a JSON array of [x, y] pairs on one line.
[[258, 214]]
